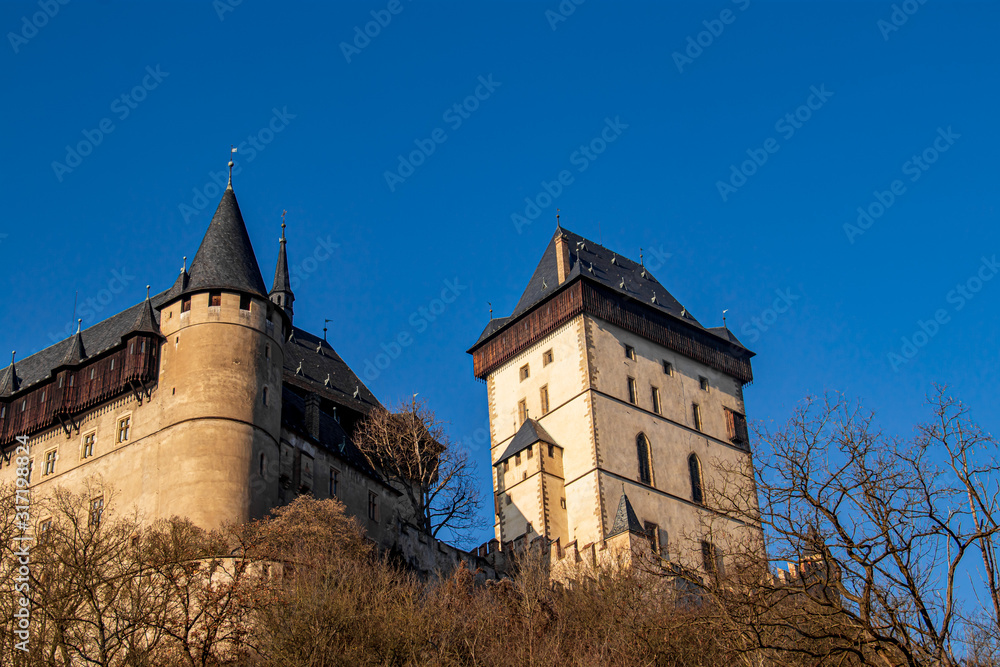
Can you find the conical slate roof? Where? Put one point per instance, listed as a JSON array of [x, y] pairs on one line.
[[625, 519], [75, 353], [9, 382], [225, 259], [145, 320]]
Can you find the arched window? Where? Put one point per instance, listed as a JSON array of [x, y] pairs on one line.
[[694, 467], [642, 449]]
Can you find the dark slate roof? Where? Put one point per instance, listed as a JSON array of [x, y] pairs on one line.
[[225, 259], [331, 435], [318, 365], [94, 340], [594, 262], [529, 433], [75, 352], [725, 334], [281, 281], [10, 379], [625, 519]]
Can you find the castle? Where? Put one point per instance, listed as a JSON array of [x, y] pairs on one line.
[[610, 406]]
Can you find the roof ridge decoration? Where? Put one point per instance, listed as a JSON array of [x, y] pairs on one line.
[[625, 518]]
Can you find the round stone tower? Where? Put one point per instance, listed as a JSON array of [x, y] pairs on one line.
[[220, 382]]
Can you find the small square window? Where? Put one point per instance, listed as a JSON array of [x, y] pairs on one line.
[[631, 391], [547, 358], [630, 352], [215, 298], [244, 302], [525, 372], [185, 304], [124, 428], [668, 368], [703, 381]]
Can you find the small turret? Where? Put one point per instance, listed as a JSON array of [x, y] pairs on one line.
[[281, 293]]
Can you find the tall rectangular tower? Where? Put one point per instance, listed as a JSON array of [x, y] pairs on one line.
[[607, 398]]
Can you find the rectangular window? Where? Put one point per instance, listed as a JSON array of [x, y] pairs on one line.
[[506, 465], [215, 298], [656, 399], [334, 482], [372, 506], [44, 529], [737, 425], [552, 451], [708, 557], [696, 415], [545, 399], [517, 459], [88, 444], [244, 302], [703, 381], [525, 372], [522, 410], [653, 535], [547, 358], [124, 427], [668, 368], [50, 462], [630, 352], [631, 391], [96, 511], [185, 304], [530, 453], [562, 503]]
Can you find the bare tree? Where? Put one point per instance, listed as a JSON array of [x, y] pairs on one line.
[[878, 531], [437, 479]]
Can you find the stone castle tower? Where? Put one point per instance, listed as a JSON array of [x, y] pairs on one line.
[[612, 409]]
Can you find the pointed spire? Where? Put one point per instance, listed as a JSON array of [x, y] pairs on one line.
[[225, 259], [76, 352], [9, 382], [281, 293], [145, 319], [625, 518]]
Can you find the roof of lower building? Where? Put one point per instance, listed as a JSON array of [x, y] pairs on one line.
[[529, 433], [312, 364], [625, 518]]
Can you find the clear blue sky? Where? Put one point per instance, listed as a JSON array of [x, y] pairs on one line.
[[217, 73]]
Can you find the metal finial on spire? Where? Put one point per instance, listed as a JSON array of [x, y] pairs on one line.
[[557, 218], [282, 239], [147, 292], [185, 267], [12, 355], [641, 262], [491, 310], [325, 322], [724, 317], [79, 324], [232, 149]]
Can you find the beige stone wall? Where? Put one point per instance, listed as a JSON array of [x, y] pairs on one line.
[[194, 442], [592, 418]]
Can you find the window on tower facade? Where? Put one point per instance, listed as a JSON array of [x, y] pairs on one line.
[[244, 302], [694, 469], [708, 558], [656, 399], [547, 358], [703, 381], [124, 428], [96, 511], [642, 452], [632, 398], [525, 372], [544, 391], [185, 304], [372, 506], [630, 352], [653, 535], [522, 410], [696, 415], [88, 444], [668, 368], [50, 462], [737, 425], [334, 482], [215, 298]]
